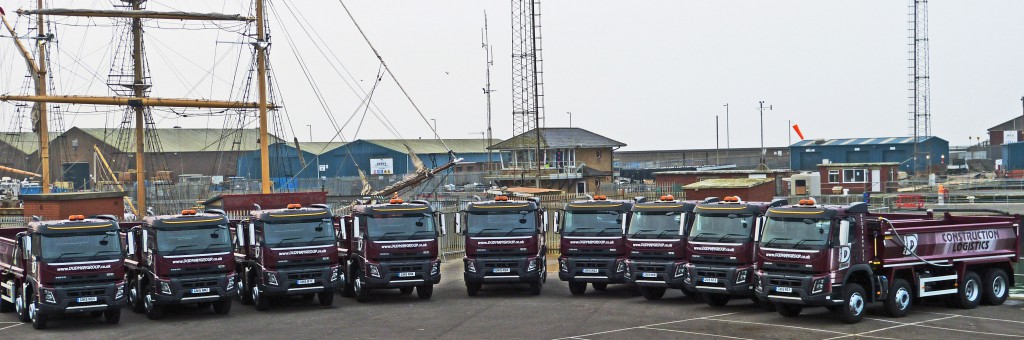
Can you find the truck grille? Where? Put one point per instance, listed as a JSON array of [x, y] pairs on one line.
[[303, 275], [501, 264], [711, 273], [785, 282], [591, 264], [75, 293], [199, 284], [406, 268], [650, 269]]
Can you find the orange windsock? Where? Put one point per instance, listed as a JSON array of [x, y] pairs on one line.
[[796, 128]]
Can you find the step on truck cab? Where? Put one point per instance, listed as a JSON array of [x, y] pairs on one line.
[[656, 245], [504, 243], [391, 246], [291, 251], [720, 248], [180, 259], [842, 258], [592, 243], [53, 268]]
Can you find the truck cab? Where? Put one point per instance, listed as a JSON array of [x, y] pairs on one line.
[[392, 246], [592, 243], [291, 251], [180, 259], [720, 248], [656, 245], [63, 267], [504, 243]]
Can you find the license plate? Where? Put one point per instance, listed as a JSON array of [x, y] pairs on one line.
[[200, 290], [709, 280], [590, 270], [784, 289], [650, 274], [406, 274], [502, 270], [306, 281], [87, 299]]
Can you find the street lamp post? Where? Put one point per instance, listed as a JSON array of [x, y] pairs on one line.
[[310, 126], [763, 165], [435, 125], [570, 117]]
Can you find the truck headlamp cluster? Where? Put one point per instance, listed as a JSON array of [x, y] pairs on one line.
[[48, 297], [165, 288], [334, 274], [231, 283], [470, 266], [741, 276], [757, 282], [374, 270], [818, 286], [119, 291], [533, 264], [562, 266], [271, 278], [621, 267], [680, 270], [435, 269]]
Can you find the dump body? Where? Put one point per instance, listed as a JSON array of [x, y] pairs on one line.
[[392, 245], [62, 267], [592, 243], [504, 244], [180, 259], [656, 245]]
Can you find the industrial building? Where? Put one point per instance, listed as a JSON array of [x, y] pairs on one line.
[[933, 152], [571, 159]]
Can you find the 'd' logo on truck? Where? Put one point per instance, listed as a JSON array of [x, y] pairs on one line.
[[910, 244]]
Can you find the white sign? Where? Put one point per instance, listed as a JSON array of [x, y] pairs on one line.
[[1009, 137], [382, 166], [323, 167]]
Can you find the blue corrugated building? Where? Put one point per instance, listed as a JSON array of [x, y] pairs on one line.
[[807, 154], [1013, 156], [284, 163]]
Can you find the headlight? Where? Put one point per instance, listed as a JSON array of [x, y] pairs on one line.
[[680, 270], [165, 288], [231, 283], [563, 266], [470, 266], [48, 296], [271, 278], [119, 291], [435, 269], [741, 276], [374, 270], [533, 265], [818, 286], [334, 274], [621, 267], [757, 281]]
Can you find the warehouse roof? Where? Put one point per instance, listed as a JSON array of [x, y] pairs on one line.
[[319, 148], [552, 138], [1010, 125], [861, 141], [26, 142], [433, 146], [728, 183], [184, 140]]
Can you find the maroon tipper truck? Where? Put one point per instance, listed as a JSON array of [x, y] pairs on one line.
[[720, 249], [656, 245], [180, 259], [291, 251], [842, 258], [592, 243], [391, 245], [62, 267], [504, 243]]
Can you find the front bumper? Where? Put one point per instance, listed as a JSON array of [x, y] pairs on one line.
[[398, 274], [81, 299], [504, 270], [302, 281], [800, 289], [196, 289], [592, 269], [721, 280], [656, 273]]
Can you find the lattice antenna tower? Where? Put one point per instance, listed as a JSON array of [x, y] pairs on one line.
[[527, 67], [920, 92]]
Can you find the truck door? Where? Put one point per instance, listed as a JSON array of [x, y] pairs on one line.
[[842, 241], [876, 180]]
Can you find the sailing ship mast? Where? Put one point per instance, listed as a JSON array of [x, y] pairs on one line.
[[140, 100]]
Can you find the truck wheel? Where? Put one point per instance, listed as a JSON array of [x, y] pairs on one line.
[[900, 298], [21, 305], [112, 316], [854, 304], [472, 288], [577, 288], [535, 287], [788, 310], [634, 291], [995, 287], [600, 286], [244, 293], [652, 293], [716, 300], [348, 289], [222, 307], [969, 293], [38, 319], [153, 311], [326, 297], [766, 306], [262, 302], [406, 290], [362, 293], [134, 301], [425, 291]]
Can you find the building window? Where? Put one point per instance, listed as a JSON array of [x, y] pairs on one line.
[[854, 176], [833, 176]]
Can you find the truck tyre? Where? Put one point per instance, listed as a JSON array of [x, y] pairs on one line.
[[968, 294], [600, 286], [39, 319], [326, 297], [262, 302], [996, 287], [535, 287], [406, 290], [716, 300], [472, 288], [134, 300], [634, 291], [348, 289], [788, 310], [900, 298], [153, 311], [577, 288], [21, 305], [652, 293], [112, 316], [854, 304], [766, 306], [425, 291], [362, 293], [222, 307], [244, 290]]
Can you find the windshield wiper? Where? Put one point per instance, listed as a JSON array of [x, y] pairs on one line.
[[578, 229], [382, 236], [179, 247], [514, 229], [802, 242], [283, 240], [421, 231], [727, 236], [607, 229], [662, 233], [103, 252], [773, 240], [483, 230], [697, 238], [62, 255], [642, 231]]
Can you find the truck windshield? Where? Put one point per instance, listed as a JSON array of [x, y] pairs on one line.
[[655, 225], [80, 247], [298, 233], [196, 240], [722, 228], [797, 233], [593, 223], [400, 227], [502, 223]]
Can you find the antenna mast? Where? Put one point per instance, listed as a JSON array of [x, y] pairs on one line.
[[488, 51], [527, 73], [920, 107]]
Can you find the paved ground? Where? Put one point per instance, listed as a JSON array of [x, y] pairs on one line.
[[502, 312]]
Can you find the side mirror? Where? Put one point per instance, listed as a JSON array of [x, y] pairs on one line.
[[623, 223], [458, 223], [129, 238], [558, 221], [682, 223], [145, 240], [442, 223], [239, 235], [26, 244], [251, 241], [355, 227], [342, 233], [757, 229], [844, 232], [544, 222]]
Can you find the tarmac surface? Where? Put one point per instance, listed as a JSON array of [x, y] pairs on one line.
[[504, 312]]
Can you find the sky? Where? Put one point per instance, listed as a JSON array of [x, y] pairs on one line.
[[651, 74]]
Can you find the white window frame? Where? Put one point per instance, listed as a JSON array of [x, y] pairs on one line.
[[863, 175], [833, 172]]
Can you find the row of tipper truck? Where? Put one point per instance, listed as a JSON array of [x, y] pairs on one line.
[[780, 256]]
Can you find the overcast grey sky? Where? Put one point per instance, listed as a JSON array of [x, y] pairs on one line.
[[651, 74]]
